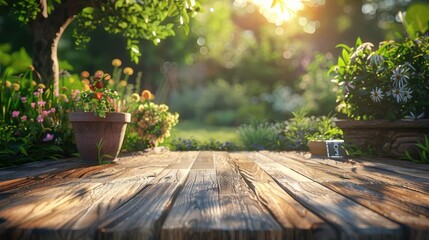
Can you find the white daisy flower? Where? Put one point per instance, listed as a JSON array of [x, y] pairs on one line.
[[398, 94], [399, 76], [376, 94], [406, 94], [375, 59], [347, 86]]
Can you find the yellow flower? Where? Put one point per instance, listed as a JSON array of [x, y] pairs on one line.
[[7, 84], [107, 76], [116, 62], [86, 87], [111, 82], [33, 83], [16, 87], [128, 71], [85, 82], [147, 95], [71, 80], [84, 74], [123, 83], [141, 108], [41, 86], [135, 97]]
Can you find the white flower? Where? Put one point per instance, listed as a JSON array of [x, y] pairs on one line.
[[360, 49], [398, 94], [347, 86], [406, 94], [375, 59], [399, 76], [413, 116], [376, 94]]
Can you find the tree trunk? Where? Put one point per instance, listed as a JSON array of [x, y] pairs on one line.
[[47, 33]]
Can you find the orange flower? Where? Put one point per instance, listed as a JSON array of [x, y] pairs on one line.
[[99, 95], [116, 62], [128, 71], [146, 94], [84, 74]]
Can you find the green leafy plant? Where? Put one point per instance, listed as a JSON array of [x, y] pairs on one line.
[[259, 136], [423, 151], [100, 155], [191, 144], [99, 98], [326, 130], [389, 82]]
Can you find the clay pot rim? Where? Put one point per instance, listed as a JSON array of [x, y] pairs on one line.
[[377, 123], [91, 117]]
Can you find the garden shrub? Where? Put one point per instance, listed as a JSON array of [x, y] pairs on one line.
[[259, 136]]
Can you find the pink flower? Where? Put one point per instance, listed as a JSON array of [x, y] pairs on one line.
[[15, 114], [33, 105], [53, 110], [36, 94], [24, 118], [24, 99], [48, 137], [41, 103], [40, 118], [45, 113]]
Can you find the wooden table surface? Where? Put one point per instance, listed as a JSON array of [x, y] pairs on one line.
[[216, 195]]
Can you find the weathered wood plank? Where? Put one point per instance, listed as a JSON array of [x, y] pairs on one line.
[[142, 216], [296, 220], [377, 174], [412, 211], [68, 210], [353, 220], [241, 213], [408, 207]]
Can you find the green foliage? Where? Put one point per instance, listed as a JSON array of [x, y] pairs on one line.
[[295, 130], [191, 144], [387, 83], [423, 151], [416, 20], [135, 21], [326, 129], [259, 136], [33, 121], [318, 96]]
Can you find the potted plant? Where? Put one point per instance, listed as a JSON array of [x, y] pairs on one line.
[[98, 126], [326, 130], [387, 90]]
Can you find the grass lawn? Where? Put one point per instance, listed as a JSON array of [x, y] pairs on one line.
[[203, 133]]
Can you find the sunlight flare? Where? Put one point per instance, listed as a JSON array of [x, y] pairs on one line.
[[282, 12]]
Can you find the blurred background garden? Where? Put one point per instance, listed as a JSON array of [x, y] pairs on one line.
[[247, 75]]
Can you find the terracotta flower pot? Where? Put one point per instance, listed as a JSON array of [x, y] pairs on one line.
[[99, 137], [317, 147], [385, 138]]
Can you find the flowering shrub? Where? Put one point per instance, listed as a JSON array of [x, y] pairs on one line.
[[151, 121], [99, 97], [33, 120], [391, 82]]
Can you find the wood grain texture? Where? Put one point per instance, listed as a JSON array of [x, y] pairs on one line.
[[353, 220], [142, 216], [297, 221], [402, 205], [68, 209]]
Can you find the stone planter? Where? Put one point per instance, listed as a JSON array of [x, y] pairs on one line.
[[96, 136], [386, 138]]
